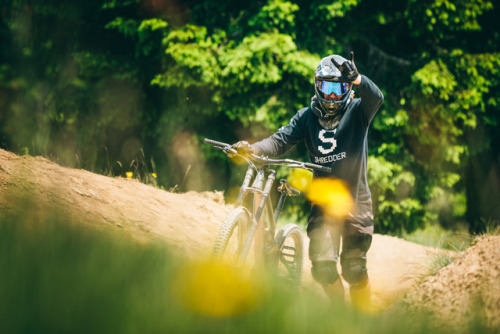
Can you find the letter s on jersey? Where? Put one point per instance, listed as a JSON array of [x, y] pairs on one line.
[[327, 140]]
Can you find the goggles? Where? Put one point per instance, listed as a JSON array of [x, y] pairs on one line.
[[328, 87]]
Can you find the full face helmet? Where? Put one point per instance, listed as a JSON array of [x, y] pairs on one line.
[[333, 96]]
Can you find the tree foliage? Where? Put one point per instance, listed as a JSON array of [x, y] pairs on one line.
[[103, 85]]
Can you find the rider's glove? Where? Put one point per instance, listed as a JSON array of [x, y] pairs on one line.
[[348, 69], [243, 147]]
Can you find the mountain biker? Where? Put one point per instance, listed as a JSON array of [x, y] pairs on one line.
[[334, 128]]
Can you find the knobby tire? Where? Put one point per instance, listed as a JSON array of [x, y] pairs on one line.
[[231, 236]]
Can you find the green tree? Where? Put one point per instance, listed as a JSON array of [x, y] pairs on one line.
[[142, 82]]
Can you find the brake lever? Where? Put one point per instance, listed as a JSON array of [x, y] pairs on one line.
[[226, 149]]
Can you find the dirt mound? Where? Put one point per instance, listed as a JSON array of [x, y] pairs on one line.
[[467, 290], [186, 222]]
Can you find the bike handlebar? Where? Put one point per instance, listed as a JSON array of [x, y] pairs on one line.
[[266, 160], [215, 143]]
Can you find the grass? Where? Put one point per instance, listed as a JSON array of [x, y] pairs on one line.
[[137, 169], [58, 277], [436, 236], [448, 242], [492, 227], [436, 262]]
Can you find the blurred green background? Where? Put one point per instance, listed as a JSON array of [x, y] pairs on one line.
[[120, 85]]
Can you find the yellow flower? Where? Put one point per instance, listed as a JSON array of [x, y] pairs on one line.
[[300, 178], [154, 175], [333, 195], [215, 289], [129, 175]]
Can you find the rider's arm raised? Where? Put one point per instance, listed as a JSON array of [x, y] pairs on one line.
[[371, 97]]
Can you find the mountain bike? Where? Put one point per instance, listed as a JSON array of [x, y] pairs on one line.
[[253, 220]]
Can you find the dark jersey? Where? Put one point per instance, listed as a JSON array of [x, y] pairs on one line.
[[344, 148]]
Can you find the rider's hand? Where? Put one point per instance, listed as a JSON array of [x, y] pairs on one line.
[[347, 69], [243, 147]]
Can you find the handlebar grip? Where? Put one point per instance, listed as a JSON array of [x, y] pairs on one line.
[[318, 167], [214, 142]]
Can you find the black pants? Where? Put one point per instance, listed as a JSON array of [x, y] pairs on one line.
[[326, 233]]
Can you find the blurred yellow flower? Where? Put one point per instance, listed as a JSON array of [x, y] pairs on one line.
[[333, 195], [215, 289], [129, 175], [154, 175], [237, 159], [300, 178]]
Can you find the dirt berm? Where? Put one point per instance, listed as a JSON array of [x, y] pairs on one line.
[[465, 292], [187, 222]]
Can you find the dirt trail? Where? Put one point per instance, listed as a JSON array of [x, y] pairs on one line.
[[187, 222]]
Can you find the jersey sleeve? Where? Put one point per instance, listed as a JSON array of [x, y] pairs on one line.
[[371, 98], [282, 140]]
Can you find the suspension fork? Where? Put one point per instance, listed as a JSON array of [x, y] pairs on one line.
[[257, 186], [244, 186], [259, 180]]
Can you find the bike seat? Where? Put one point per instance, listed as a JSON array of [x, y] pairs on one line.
[[285, 187]]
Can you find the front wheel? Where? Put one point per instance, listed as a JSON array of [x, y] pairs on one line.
[[231, 236], [290, 245]]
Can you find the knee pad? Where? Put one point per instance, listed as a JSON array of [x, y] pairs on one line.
[[353, 259], [325, 272], [354, 271]]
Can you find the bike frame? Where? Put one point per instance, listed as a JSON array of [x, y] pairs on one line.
[[261, 186]]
